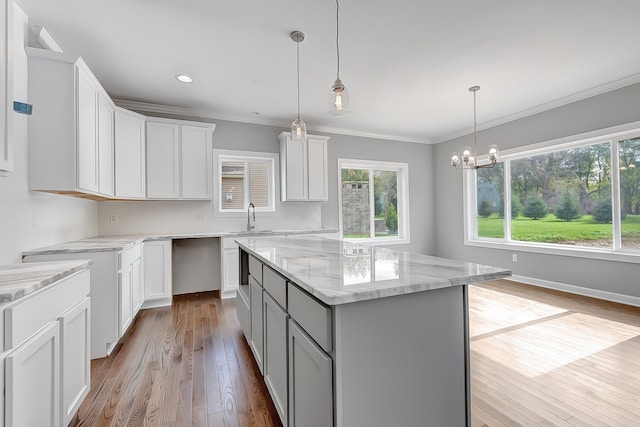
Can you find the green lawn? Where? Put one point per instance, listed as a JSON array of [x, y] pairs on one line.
[[551, 229]]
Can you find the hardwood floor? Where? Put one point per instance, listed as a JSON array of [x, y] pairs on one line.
[[546, 358], [538, 358], [187, 365]]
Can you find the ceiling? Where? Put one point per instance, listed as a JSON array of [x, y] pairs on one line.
[[408, 64]]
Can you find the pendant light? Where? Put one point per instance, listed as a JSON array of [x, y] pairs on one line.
[[298, 127], [339, 95], [469, 156]]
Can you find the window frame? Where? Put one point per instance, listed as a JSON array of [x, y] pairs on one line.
[[611, 135], [219, 156], [402, 170]]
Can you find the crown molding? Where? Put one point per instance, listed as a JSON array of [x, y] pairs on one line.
[[599, 90], [43, 38], [207, 114]]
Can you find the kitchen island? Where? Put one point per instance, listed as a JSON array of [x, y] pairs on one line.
[[351, 335]]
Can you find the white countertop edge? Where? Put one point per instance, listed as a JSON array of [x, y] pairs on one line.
[[27, 278], [122, 242]]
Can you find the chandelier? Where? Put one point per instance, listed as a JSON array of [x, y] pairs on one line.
[[469, 156]]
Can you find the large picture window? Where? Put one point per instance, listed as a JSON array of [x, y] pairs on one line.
[[582, 194], [373, 201]]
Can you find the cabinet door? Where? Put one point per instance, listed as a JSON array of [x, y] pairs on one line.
[[256, 342], [317, 166], [105, 146], [137, 289], [230, 272], [129, 154], [32, 384], [197, 160], [87, 143], [275, 354], [295, 174], [310, 381], [163, 174], [125, 278], [76, 354], [6, 86], [157, 270]]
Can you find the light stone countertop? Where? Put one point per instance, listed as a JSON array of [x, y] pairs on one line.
[[18, 280], [118, 243], [338, 272]]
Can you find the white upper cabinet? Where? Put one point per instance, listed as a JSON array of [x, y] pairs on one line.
[[106, 179], [179, 159], [6, 88], [303, 168], [129, 154], [69, 132], [163, 149]]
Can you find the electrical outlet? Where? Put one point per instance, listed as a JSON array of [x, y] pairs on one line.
[[113, 219], [514, 257], [199, 217], [34, 222]]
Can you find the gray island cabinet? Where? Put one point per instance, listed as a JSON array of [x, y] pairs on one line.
[[350, 335]]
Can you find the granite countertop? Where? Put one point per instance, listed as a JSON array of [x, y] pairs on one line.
[[338, 272], [18, 280], [118, 243]]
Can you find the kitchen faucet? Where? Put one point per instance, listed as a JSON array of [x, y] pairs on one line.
[[249, 226]]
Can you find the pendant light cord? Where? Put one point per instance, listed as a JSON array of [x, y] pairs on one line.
[[298, 72], [337, 38], [475, 126]]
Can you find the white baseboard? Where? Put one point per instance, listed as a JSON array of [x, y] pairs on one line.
[[579, 290], [155, 303]]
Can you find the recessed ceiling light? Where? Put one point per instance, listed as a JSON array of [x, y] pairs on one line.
[[184, 78]]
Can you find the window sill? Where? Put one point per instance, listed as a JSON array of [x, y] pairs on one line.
[[561, 250]]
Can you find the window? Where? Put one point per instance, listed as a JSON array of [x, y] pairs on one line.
[[374, 201], [579, 194], [245, 178]]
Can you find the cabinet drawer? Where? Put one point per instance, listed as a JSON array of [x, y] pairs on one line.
[[276, 285], [314, 317], [244, 316], [255, 269], [26, 317], [128, 256]]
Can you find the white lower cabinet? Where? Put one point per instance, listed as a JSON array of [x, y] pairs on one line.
[[32, 380], [229, 268], [45, 366], [125, 284], [256, 341], [75, 361], [157, 273], [310, 381], [275, 354]]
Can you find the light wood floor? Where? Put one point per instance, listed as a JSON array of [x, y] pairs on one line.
[[546, 358], [538, 358]]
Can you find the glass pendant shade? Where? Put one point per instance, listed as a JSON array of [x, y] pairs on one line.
[[298, 130], [339, 100]]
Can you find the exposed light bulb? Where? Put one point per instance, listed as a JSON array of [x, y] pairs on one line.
[[466, 153], [338, 102], [472, 162], [455, 160], [298, 132]]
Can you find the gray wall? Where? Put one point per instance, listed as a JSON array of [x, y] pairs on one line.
[[421, 182], [159, 217], [610, 109]]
